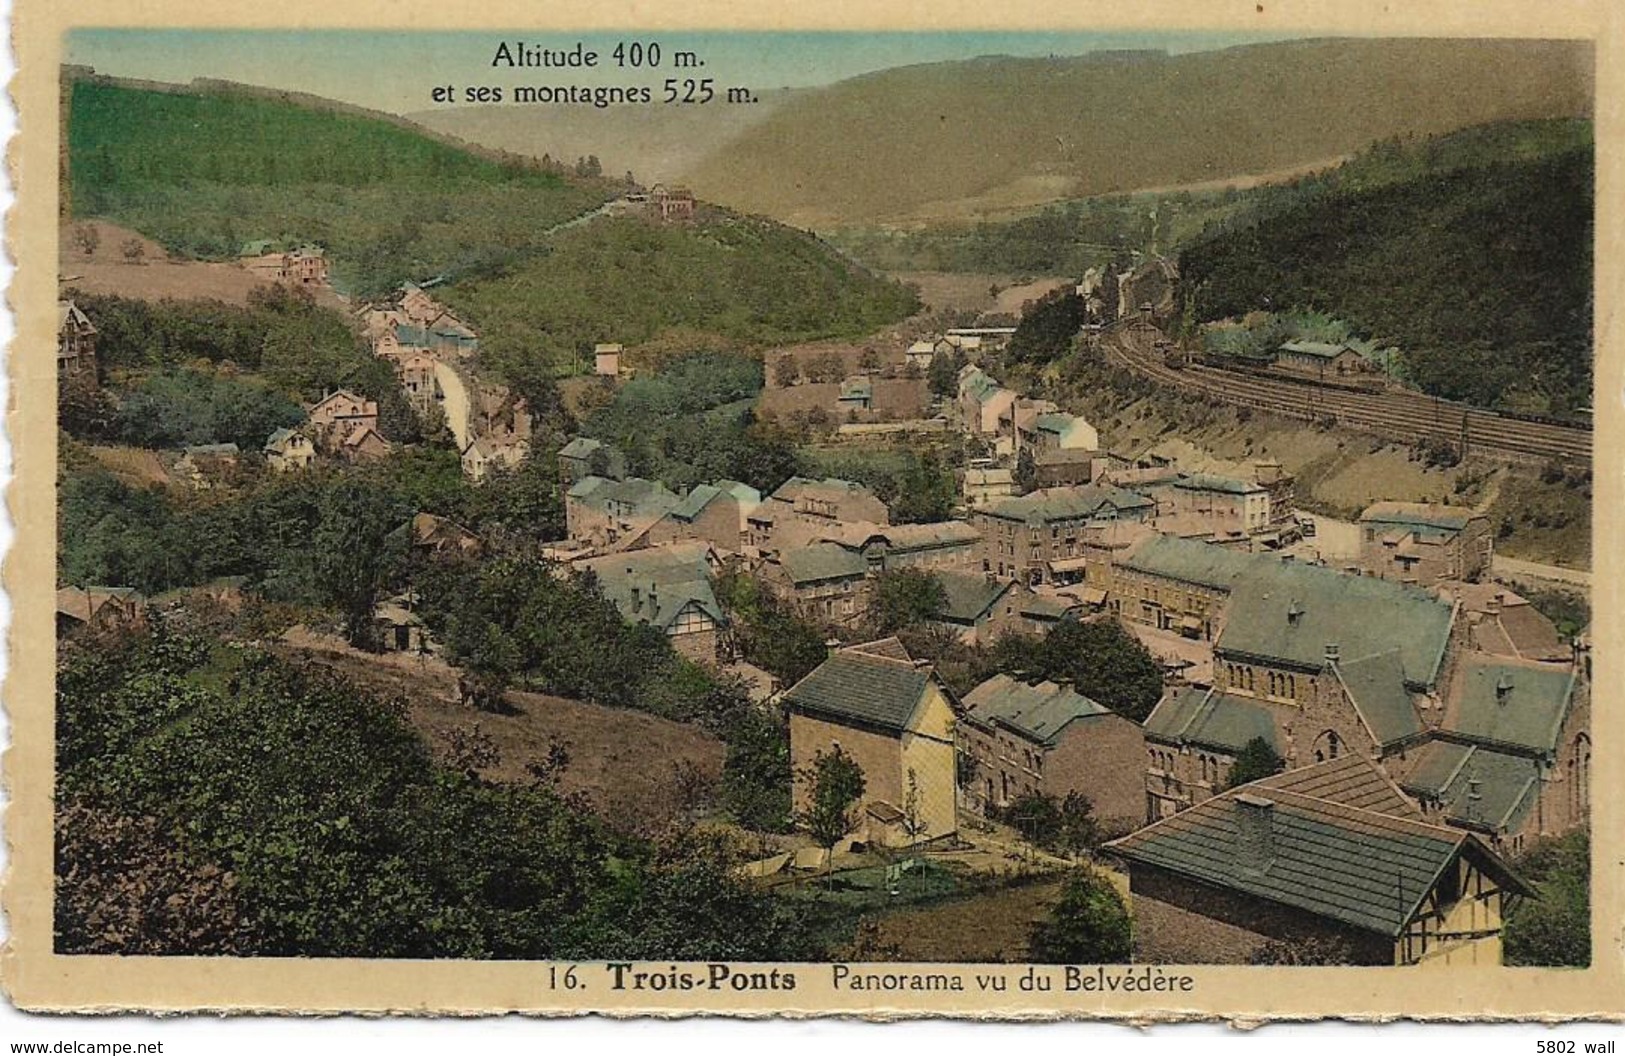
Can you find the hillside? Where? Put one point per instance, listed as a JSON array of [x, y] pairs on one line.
[[653, 143], [963, 139], [1471, 253], [205, 170], [624, 280]]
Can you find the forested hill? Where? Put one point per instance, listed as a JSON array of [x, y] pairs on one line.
[[1471, 253], [969, 139]]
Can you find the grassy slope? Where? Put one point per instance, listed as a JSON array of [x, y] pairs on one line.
[[205, 171], [973, 137]]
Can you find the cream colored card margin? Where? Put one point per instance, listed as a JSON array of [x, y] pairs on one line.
[[36, 978]]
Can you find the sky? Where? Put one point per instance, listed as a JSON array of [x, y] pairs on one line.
[[396, 71]]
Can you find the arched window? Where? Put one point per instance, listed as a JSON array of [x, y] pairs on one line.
[[1327, 746]]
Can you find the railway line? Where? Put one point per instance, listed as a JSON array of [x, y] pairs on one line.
[[1400, 416]]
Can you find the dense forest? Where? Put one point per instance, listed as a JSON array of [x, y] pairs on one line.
[[1479, 273]]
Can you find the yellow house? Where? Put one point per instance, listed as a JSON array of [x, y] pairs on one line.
[[893, 717]]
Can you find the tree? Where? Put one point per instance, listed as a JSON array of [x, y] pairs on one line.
[[87, 238], [756, 774], [904, 597], [835, 785], [1026, 473], [1554, 929], [1256, 761], [1090, 925], [1105, 662], [134, 249], [354, 553], [869, 361], [1064, 826], [943, 377], [787, 371]]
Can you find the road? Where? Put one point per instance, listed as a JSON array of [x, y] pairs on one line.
[[1512, 568]]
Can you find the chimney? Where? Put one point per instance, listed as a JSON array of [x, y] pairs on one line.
[[1255, 832], [1503, 688], [1495, 603], [637, 597], [1333, 653], [1473, 797], [1294, 614]]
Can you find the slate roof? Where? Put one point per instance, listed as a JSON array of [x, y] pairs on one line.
[[1506, 785], [1289, 612], [1418, 515], [1190, 561], [1319, 349], [1501, 702], [1365, 868], [1215, 482], [1350, 780], [695, 502], [580, 447], [655, 586], [1376, 685], [863, 688], [274, 441], [1059, 504], [641, 496], [1211, 719], [969, 596], [1041, 712], [823, 561]]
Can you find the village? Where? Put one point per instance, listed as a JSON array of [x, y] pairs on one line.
[[1357, 728]]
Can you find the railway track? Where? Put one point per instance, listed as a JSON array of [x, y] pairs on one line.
[[1401, 416]]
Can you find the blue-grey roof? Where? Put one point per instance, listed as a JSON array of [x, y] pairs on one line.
[[1376, 685], [1318, 349], [1503, 703], [862, 688], [1290, 612], [1214, 482], [1475, 786], [580, 447], [1191, 561], [656, 586], [1418, 515], [967, 597], [1211, 719], [1059, 504], [643, 498], [1041, 712], [823, 561]]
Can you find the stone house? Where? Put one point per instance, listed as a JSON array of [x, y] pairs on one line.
[[1176, 584], [75, 344], [339, 414], [399, 628], [671, 203], [714, 513], [1063, 467], [938, 546], [1222, 504], [1321, 360], [896, 720], [601, 512], [669, 589], [1022, 538], [489, 453], [585, 457], [438, 535], [920, 354], [305, 266], [985, 485], [824, 582], [365, 444], [971, 602], [982, 401], [1418, 543], [1332, 852], [288, 449], [416, 373], [804, 510], [1049, 739]]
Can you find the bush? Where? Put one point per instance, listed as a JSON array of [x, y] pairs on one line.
[[1090, 925]]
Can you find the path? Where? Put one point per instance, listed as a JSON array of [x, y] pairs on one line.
[[1512, 568]]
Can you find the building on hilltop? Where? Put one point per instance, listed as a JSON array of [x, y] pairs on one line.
[[1048, 739], [1332, 853], [1425, 543], [895, 719], [289, 449]]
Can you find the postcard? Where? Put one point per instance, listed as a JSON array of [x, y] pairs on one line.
[[1042, 514]]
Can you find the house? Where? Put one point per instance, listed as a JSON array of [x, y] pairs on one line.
[[895, 719], [75, 343], [606, 360], [1222, 504], [802, 510], [983, 402], [288, 449], [305, 266], [365, 444], [983, 486], [920, 354], [341, 413], [1511, 759], [1333, 853], [1054, 431], [399, 629], [971, 600], [1501, 623], [1176, 584], [1323, 360], [1425, 543], [489, 453], [1063, 467], [714, 513], [438, 535], [206, 466], [857, 394], [416, 373], [602, 512], [943, 545], [824, 582], [1023, 537], [585, 457], [98, 608], [1048, 739], [668, 588], [994, 338]]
